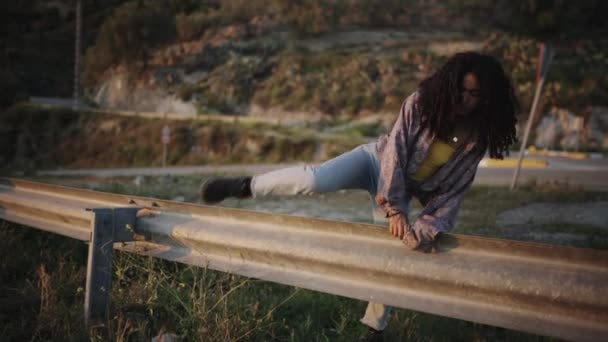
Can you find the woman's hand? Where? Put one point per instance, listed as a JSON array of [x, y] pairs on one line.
[[420, 241], [399, 225], [423, 241]]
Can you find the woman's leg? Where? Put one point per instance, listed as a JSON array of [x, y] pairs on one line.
[[355, 169], [376, 314], [351, 170]]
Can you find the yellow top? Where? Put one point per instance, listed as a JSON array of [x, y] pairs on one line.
[[439, 154]]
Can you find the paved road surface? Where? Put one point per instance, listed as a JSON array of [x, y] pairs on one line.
[[591, 174]]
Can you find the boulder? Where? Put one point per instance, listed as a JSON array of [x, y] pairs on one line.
[[559, 128], [547, 132], [151, 96], [596, 128]]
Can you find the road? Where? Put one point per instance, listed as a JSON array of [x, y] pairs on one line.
[[56, 102], [591, 174]]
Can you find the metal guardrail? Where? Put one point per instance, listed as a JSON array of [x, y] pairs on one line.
[[543, 289]]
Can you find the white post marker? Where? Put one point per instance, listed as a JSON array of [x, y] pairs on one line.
[[577, 126], [165, 138], [544, 59]]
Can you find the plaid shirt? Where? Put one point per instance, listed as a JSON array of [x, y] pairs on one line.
[[402, 151]]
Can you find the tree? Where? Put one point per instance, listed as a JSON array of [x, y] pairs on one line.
[[128, 36], [543, 19]]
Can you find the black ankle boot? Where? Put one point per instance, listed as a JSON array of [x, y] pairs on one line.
[[215, 190], [372, 335]]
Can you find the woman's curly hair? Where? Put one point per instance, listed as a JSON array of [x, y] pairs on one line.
[[496, 113]]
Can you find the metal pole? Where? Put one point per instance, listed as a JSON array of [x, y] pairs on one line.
[[544, 59], [539, 86], [108, 225], [164, 155], [77, 56]]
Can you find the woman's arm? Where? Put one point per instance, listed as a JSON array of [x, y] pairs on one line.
[[392, 194], [440, 212]]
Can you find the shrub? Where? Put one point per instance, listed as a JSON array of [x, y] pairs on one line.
[[185, 92], [11, 89], [192, 26], [128, 35]]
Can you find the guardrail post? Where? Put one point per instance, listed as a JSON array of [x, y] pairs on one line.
[[109, 225]]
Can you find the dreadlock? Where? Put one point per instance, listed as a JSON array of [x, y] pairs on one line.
[[440, 93]]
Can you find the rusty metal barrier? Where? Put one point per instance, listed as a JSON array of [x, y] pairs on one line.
[[543, 289]]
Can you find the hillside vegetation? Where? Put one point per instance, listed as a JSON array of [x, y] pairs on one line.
[[324, 57], [338, 58], [33, 138]]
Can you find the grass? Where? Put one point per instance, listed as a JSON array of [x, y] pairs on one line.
[[41, 291]]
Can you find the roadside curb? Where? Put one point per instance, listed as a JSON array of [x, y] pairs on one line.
[[512, 163], [564, 154]]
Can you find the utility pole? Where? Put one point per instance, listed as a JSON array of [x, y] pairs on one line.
[[544, 59], [77, 49]]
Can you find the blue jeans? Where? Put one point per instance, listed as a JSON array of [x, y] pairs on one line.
[[356, 169]]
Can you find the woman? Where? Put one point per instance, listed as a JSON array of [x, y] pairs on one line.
[[442, 132]]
